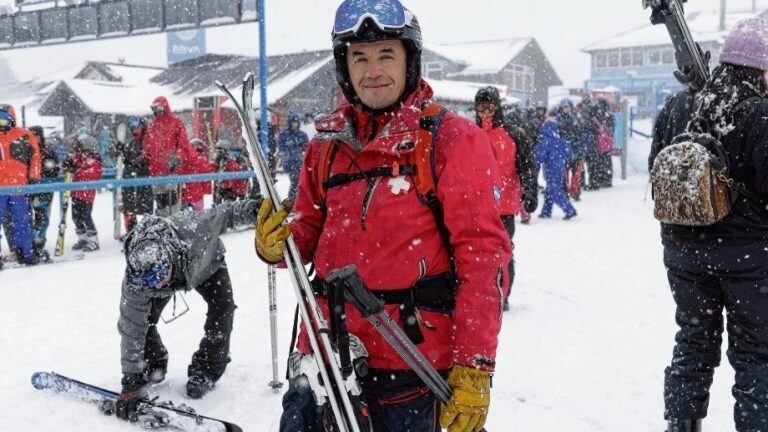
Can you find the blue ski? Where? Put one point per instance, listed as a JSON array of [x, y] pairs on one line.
[[150, 414]]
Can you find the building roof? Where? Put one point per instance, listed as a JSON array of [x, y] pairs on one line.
[[704, 25], [482, 57], [109, 88], [196, 77], [465, 91]]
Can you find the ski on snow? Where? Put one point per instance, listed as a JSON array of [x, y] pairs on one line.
[[149, 415], [12, 264]]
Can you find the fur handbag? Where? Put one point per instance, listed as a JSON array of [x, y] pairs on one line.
[[690, 182]]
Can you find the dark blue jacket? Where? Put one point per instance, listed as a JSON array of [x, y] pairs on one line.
[[553, 151], [292, 144]]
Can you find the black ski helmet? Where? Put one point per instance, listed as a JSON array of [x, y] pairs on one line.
[[488, 94], [369, 31]]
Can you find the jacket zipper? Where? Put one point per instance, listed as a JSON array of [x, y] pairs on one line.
[[367, 200]]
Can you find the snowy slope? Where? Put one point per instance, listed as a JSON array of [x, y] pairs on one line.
[[583, 349]]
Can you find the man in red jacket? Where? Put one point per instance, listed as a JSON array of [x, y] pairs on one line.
[[166, 150], [519, 189], [379, 223]]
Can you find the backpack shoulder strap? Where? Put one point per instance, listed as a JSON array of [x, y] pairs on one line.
[[327, 150], [426, 176]]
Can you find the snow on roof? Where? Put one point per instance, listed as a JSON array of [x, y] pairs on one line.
[[279, 88], [133, 74], [482, 57], [464, 91], [119, 98], [704, 25]]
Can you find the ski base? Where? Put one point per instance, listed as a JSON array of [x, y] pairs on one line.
[[14, 264], [149, 415]]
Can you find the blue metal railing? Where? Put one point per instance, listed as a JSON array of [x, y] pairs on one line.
[[130, 182]]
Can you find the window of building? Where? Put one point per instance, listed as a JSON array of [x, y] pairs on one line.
[[434, 70], [613, 58], [654, 56], [637, 57], [600, 60], [521, 78], [668, 56], [626, 57]]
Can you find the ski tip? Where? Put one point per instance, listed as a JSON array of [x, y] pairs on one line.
[[250, 76], [38, 379], [219, 84]]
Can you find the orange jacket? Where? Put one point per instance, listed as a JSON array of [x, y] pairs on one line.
[[14, 169]]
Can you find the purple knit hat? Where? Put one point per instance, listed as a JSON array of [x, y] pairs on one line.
[[747, 44]]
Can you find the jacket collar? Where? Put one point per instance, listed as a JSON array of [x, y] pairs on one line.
[[397, 131]]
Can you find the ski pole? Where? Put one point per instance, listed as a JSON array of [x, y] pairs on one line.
[[275, 384], [308, 308]]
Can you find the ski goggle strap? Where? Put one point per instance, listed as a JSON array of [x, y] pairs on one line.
[[152, 278], [385, 14]]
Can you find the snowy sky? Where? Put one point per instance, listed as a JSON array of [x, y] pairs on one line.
[[562, 27]]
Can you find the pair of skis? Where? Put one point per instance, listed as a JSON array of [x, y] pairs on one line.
[[149, 415], [336, 386]]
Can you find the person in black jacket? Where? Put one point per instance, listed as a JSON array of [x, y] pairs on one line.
[[723, 265], [41, 203], [136, 200]]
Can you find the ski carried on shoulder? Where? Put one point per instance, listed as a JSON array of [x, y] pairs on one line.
[[149, 415], [54, 260]]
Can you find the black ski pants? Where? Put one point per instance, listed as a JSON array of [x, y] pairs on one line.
[[509, 224], [397, 401], [704, 281], [212, 356], [82, 215]]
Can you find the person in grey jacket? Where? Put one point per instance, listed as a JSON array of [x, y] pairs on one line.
[[163, 256]]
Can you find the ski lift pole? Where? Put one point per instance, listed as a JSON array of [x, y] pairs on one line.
[[264, 132]]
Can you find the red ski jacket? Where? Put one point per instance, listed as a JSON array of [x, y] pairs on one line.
[[166, 137], [20, 159], [238, 187], [393, 238], [194, 192], [505, 151], [87, 168]]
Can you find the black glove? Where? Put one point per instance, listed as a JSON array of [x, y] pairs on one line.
[[173, 162], [21, 150], [68, 165], [127, 404], [530, 202], [129, 399]]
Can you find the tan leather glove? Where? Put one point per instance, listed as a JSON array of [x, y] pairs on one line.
[[271, 233], [468, 407]]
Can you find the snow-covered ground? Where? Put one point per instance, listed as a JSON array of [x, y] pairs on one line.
[[582, 350]]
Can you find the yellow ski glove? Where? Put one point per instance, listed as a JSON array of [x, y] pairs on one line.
[[271, 233], [468, 407]]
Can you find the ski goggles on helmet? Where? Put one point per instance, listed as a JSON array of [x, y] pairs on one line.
[[6, 120], [152, 278], [134, 123], [387, 15]]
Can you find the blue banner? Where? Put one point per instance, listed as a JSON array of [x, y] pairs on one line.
[[186, 45]]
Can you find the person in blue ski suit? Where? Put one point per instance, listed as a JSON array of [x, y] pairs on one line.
[[292, 144], [554, 153]]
